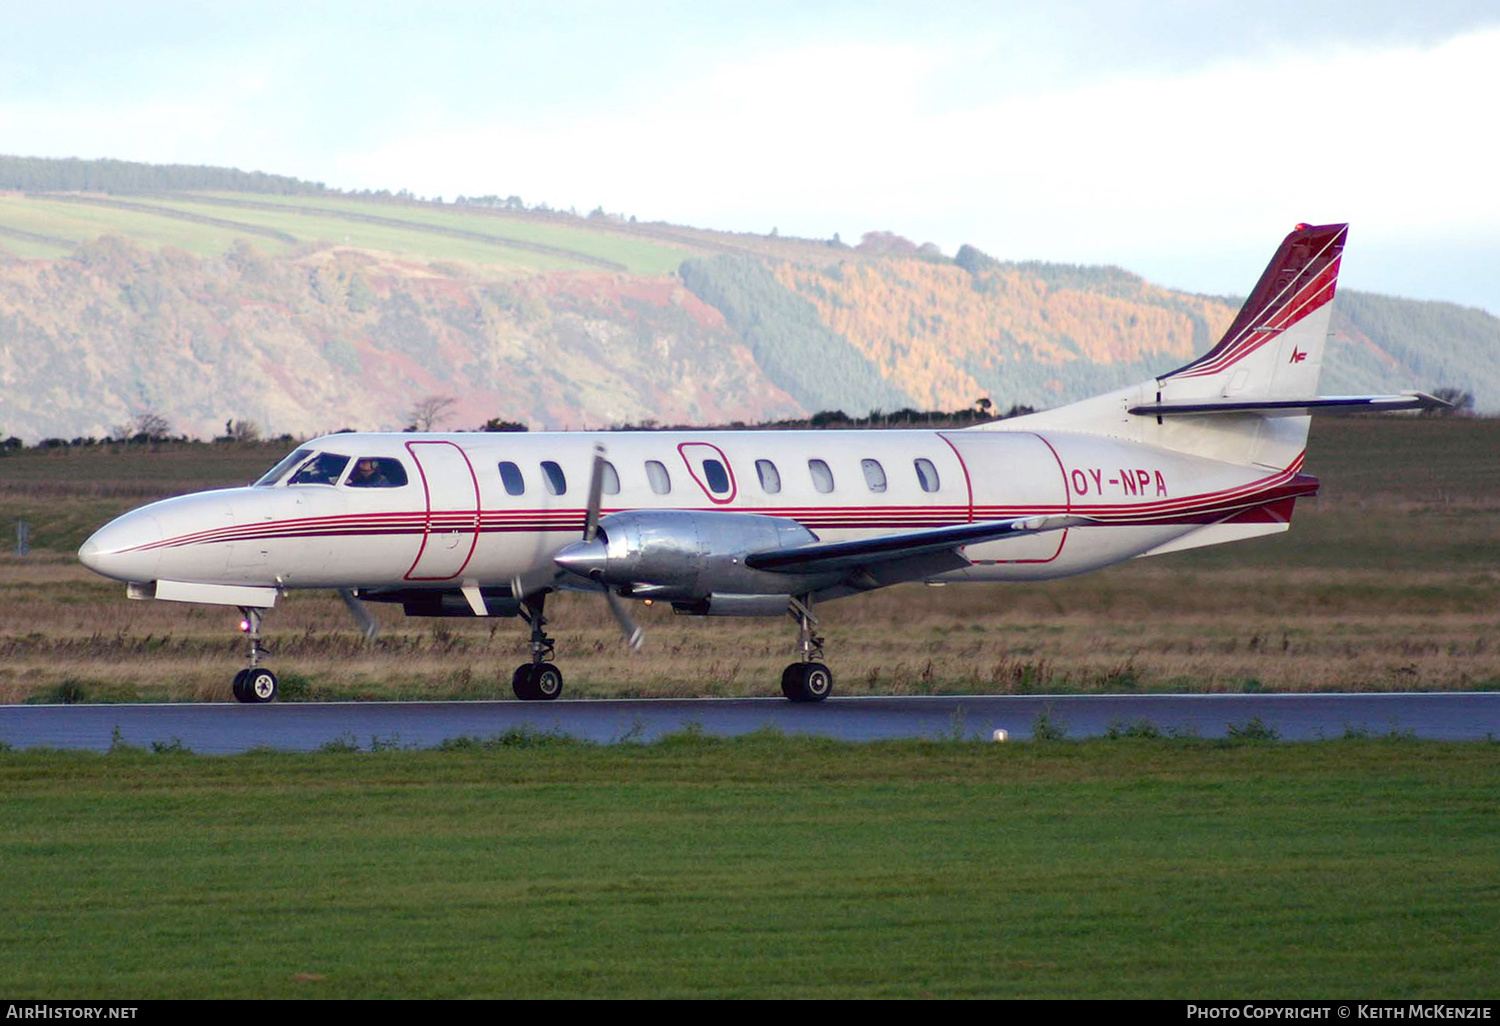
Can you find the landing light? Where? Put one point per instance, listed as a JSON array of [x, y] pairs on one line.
[[245, 626]]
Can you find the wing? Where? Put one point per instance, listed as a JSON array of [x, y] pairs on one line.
[[896, 557]]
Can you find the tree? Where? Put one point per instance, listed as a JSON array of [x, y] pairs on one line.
[[146, 426], [241, 431], [974, 260], [1460, 403], [428, 413]]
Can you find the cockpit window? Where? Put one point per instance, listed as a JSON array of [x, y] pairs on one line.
[[376, 472], [323, 469], [276, 473]]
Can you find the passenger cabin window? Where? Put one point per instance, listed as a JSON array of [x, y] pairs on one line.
[[510, 477], [376, 472], [611, 480], [874, 474], [323, 469], [822, 477], [656, 473], [717, 476], [277, 472], [927, 475], [770, 477], [552, 476]]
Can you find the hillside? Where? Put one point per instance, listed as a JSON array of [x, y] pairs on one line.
[[206, 295]]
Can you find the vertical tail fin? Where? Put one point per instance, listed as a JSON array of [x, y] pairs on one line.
[[1273, 351], [1274, 348]]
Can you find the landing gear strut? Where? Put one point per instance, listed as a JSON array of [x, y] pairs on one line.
[[538, 680], [254, 684], [808, 680]]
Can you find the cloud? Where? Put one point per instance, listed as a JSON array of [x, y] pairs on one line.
[[941, 136], [1393, 135]]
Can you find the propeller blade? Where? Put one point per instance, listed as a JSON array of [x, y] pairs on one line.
[[362, 617], [596, 494], [634, 636]]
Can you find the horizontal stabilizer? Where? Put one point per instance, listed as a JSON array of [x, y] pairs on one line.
[[1294, 407], [821, 557]]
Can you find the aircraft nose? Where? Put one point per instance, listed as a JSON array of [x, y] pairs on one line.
[[121, 548]]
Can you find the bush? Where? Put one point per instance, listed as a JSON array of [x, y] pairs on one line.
[[1045, 728], [1253, 730]]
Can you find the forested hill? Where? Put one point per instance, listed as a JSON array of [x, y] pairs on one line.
[[43, 174], [205, 295]]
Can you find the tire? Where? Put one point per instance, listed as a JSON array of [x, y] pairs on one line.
[[260, 686], [807, 682], [521, 683], [546, 682], [791, 682], [240, 694]]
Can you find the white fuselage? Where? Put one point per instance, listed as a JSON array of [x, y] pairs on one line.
[[460, 519]]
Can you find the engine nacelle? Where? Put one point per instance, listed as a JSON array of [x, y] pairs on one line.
[[687, 555]]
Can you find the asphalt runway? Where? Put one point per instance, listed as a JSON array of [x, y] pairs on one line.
[[228, 728]]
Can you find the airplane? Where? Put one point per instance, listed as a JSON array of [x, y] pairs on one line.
[[764, 523]]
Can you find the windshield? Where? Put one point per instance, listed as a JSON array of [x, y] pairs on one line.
[[323, 469], [276, 473]]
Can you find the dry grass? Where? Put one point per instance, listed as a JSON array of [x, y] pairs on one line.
[[1139, 627], [1389, 582]]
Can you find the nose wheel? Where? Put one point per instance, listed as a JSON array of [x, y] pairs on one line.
[[254, 684]]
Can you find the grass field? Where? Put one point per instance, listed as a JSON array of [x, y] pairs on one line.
[[419, 231], [640, 255], [758, 867], [1389, 581]]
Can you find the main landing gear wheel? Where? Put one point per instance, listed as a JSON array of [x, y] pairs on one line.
[[255, 686], [537, 682], [807, 682]]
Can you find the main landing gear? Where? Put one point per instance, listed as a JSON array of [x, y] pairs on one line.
[[808, 680], [253, 683], [538, 680]]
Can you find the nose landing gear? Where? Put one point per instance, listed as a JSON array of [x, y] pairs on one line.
[[254, 684]]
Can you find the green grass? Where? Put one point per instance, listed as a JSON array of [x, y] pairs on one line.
[[641, 256], [764, 867], [412, 241], [82, 222]]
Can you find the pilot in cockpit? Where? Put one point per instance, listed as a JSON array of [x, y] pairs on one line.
[[369, 473]]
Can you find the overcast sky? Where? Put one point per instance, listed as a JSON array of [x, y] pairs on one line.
[[1177, 139]]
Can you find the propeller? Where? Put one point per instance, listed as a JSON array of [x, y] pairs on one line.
[[367, 625], [634, 636]]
